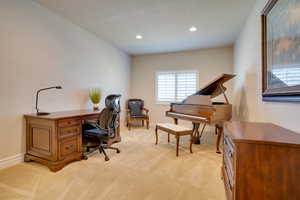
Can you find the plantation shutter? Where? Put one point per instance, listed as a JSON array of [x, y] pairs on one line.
[[175, 86], [186, 85], [166, 85]]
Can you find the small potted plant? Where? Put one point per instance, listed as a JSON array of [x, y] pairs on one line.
[[95, 96]]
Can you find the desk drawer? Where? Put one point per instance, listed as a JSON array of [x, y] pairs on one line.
[[69, 122], [69, 131], [69, 146]]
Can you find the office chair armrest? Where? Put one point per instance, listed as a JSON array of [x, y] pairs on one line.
[[93, 123], [87, 121]]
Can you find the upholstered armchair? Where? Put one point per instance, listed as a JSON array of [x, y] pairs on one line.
[[137, 111]]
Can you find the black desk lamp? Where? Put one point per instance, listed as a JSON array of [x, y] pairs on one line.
[[37, 99]]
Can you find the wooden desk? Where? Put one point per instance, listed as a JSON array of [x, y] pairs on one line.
[[56, 139]]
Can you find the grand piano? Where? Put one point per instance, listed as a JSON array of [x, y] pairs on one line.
[[199, 109]]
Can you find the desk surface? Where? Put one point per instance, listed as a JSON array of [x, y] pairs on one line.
[[64, 114]]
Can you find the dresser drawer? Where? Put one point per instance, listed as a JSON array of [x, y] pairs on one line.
[[229, 171], [69, 131], [69, 122], [229, 148], [228, 186], [68, 146]]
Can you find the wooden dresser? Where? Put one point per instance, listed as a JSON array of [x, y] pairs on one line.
[[260, 161], [56, 139]]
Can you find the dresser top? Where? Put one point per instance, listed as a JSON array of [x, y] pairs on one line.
[[64, 114], [260, 133]]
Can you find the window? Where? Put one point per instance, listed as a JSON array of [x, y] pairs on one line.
[[174, 86], [290, 75]]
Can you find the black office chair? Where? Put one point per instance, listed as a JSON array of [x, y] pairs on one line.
[[96, 134]]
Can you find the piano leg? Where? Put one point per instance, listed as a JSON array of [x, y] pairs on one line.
[[156, 136], [196, 137], [176, 121], [191, 143], [219, 130]]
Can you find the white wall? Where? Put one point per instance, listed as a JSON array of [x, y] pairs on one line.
[[209, 62], [247, 86], [39, 49]]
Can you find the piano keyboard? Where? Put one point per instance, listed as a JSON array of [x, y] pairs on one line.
[[187, 117]]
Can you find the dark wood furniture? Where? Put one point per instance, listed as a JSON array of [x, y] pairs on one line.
[[260, 161], [174, 130], [198, 109], [137, 112], [56, 139]]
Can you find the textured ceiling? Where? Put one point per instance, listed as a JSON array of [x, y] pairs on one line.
[[163, 24]]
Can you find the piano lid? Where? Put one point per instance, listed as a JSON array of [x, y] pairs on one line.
[[214, 88]]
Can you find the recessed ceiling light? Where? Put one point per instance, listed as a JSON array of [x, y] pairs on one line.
[[139, 37], [193, 29]]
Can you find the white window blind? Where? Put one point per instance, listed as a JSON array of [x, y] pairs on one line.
[[289, 75], [175, 86]]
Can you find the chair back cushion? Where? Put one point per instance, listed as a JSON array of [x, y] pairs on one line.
[[112, 102], [108, 118], [135, 106]]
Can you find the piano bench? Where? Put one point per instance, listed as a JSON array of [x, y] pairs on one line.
[[174, 130]]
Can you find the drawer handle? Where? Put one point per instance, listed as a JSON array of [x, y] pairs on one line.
[[69, 147]]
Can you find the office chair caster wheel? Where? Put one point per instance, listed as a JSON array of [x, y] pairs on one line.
[[118, 151], [106, 159]]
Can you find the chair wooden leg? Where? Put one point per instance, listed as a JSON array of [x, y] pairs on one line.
[[143, 123], [168, 137], [129, 124], [191, 143], [147, 123], [156, 136], [177, 145]]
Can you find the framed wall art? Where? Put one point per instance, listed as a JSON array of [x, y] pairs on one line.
[[281, 50]]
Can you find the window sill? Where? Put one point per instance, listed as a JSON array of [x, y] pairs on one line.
[[164, 103]]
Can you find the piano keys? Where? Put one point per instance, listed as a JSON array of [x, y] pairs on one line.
[[199, 108]]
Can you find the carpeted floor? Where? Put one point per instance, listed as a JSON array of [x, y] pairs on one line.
[[142, 171]]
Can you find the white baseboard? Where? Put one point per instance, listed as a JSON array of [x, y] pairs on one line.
[[10, 161]]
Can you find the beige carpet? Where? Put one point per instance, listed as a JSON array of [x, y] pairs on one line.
[[142, 171]]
